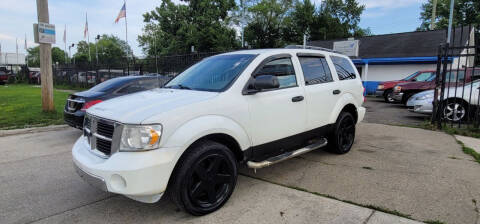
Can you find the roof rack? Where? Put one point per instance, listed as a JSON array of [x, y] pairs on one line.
[[310, 47]]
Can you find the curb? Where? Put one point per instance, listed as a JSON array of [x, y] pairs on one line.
[[4, 133]]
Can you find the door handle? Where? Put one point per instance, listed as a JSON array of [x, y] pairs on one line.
[[297, 99], [336, 92]]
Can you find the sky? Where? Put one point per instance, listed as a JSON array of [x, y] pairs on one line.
[[17, 18]]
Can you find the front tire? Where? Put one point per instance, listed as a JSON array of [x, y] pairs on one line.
[[343, 136], [204, 178], [388, 96], [454, 111]]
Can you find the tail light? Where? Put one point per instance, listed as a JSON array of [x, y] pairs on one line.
[[90, 104], [364, 94]]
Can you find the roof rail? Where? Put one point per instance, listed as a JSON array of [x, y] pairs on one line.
[[310, 47]]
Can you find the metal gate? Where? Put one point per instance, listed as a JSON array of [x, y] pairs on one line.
[[457, 93]]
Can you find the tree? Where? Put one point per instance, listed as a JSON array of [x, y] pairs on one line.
[[265, 30], [174, 28], [465, 12], [33, 55], [111, 51], [275, 23]]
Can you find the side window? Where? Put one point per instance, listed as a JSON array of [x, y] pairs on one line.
[[343, 67], [315, 70], [283, 69], [423, 76]]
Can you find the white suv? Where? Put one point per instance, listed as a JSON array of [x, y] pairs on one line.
[[253, 107]]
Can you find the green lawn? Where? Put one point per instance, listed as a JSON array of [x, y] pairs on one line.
[[21, 107]]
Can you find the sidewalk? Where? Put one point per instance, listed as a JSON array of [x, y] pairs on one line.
[[473, 143]]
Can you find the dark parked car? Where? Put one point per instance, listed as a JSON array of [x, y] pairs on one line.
[[78, 103]]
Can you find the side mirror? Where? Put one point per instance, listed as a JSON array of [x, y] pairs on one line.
[[266, 82], [262, 82], [414, 80]]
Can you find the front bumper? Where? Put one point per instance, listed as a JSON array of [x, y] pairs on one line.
[[420, 106], [74, 119], [379, 93], [397, 96], [142, 176]]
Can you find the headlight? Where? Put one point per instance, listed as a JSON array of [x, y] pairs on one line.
[[424, 97], [140, 137], [380, 87]]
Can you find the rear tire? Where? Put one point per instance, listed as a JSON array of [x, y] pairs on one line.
[[343, 136], [204, 178]]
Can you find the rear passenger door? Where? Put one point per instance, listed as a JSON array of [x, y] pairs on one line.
[[320, 89]]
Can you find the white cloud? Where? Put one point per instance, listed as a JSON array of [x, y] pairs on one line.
[[21, 14], [389, 4]]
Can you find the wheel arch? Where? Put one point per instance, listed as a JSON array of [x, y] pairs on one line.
[[346, 103]]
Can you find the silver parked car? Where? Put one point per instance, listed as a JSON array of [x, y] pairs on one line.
[[457, 102], [421, 102]]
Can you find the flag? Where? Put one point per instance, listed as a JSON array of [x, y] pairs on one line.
[[65, 34], [122, 13], [85, 31], [25, 46]]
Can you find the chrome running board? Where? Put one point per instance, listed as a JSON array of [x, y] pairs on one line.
[[276, 159]]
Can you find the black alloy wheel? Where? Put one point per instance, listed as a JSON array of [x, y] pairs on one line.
[[210, 181], [204, 178], [343, 136]]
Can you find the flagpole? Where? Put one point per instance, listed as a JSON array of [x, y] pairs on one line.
[[65, 42], [126, 36], [88, 38]]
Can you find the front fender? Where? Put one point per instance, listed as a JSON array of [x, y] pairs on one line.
[[346, 99], [202, 126]]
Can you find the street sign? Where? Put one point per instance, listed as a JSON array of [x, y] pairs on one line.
[[348, 47], [44, 33]]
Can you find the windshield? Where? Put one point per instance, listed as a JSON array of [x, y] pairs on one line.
[[431, 78], [212, 74], [410, 76]]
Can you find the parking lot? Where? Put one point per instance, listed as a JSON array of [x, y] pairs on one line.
[[391, 113], [416, 172]]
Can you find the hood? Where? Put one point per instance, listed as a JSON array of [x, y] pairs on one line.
[[391, 84], [135, 108]]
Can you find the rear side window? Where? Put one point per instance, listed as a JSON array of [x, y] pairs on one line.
[[315, 70], [344, 69]]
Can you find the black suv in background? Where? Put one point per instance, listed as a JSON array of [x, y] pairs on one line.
[[78, 103]]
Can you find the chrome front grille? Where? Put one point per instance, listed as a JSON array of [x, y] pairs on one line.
[[100, 134]]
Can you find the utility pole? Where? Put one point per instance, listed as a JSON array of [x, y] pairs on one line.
[[450, 21], [434, 15], [96, 47], [45, 60]]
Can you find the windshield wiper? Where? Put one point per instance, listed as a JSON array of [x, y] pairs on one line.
[[178, 86]]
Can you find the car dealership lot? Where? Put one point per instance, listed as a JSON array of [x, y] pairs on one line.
[[391, 113], [413, 171]]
